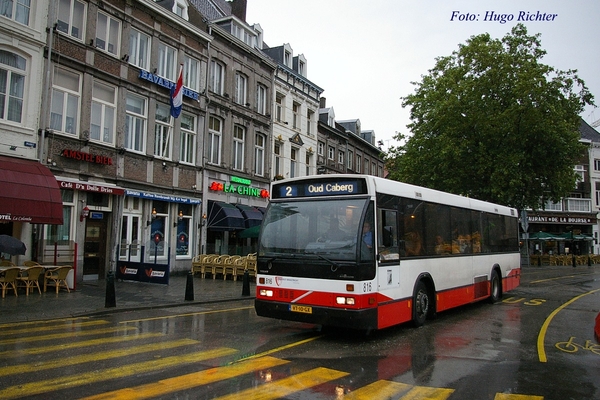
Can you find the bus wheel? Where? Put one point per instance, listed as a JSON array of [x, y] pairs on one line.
[[422, 303], [495, 288]]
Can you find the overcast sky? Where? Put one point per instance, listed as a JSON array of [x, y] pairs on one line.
[[365, 54]]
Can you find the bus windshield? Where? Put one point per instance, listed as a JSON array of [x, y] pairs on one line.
[[330, 229]]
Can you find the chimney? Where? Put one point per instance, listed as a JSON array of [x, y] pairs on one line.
[[238, 9], [322, 102]]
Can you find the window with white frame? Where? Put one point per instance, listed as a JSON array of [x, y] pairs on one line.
[[296, 115], [162, 131], [139, 49], [63, 234], [17, 10], [597, 192], [185, 233], [341, 157], [167, 57], [191, 73], [108, 33], [366, 166], [310, 115], [293, 162], [321, 148], [350, 159], [579, 173], [279, 107], [104, 105], [241, 85], [308, 160], [136, 117], [287, 59], [66, 94], [259, 154], [71, 18], [277, 153], [216, 77], [261, 99], [358, 164], [187, 146], [596, 164], [181, 8], [552, 206], [239, 134], [331, 153], [215, 134], [373, 169], [12, 86], [131, 230]]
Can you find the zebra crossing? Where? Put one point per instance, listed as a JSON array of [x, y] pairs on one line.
[[88, 358]]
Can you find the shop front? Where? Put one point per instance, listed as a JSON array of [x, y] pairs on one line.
[[550, 234], [158, 235], [91, 211], [233, 215], [30, 197]]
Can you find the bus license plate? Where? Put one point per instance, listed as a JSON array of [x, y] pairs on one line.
[[301, 309]]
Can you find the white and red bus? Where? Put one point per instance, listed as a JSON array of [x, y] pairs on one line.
[[366, 252]]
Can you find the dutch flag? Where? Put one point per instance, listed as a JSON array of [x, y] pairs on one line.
[[177, 94]]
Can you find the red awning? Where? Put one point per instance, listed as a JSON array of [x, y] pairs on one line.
[[29, 192]]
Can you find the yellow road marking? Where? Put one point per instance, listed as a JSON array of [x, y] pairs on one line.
[[7, 332], [66, 335], [559, 277], [86, 378], [544, 328], [186, 315], [189, 381], [378, 390], [92, 357], [48, 321], [284, 387], [78, 344], [275, 350], [429, 393], [503, 396]]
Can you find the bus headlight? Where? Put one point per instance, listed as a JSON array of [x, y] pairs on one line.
[[266, 292], [340, 300]]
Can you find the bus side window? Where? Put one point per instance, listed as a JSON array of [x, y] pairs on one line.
[[388, 235]]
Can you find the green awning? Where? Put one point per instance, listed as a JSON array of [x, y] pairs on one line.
[[250, 232]]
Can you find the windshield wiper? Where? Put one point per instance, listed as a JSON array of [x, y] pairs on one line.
[[334, 265]]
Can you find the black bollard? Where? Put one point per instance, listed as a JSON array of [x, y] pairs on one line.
[[110, 300], [589, 261], [246, 284], [574, 261], [189, 287]]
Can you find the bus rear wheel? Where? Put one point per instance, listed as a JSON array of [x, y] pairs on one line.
[[495, 288], [422, 303]]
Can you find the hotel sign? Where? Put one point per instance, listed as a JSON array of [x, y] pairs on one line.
[[167, 84]]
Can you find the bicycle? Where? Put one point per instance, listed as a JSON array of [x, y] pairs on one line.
[[571, 347]]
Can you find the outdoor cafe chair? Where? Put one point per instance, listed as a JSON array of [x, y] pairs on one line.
[[229, 266], [30, 263], [57, 277], [29, 278], [8, 277], [7, 263]]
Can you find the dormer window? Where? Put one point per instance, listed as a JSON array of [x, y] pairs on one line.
[[287, 59], [180, 7]]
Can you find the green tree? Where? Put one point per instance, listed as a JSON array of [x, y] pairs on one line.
[[492, 122]]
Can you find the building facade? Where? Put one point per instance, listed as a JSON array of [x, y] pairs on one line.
[[571, 225]]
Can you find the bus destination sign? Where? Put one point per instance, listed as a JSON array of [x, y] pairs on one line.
[[319, 188]]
